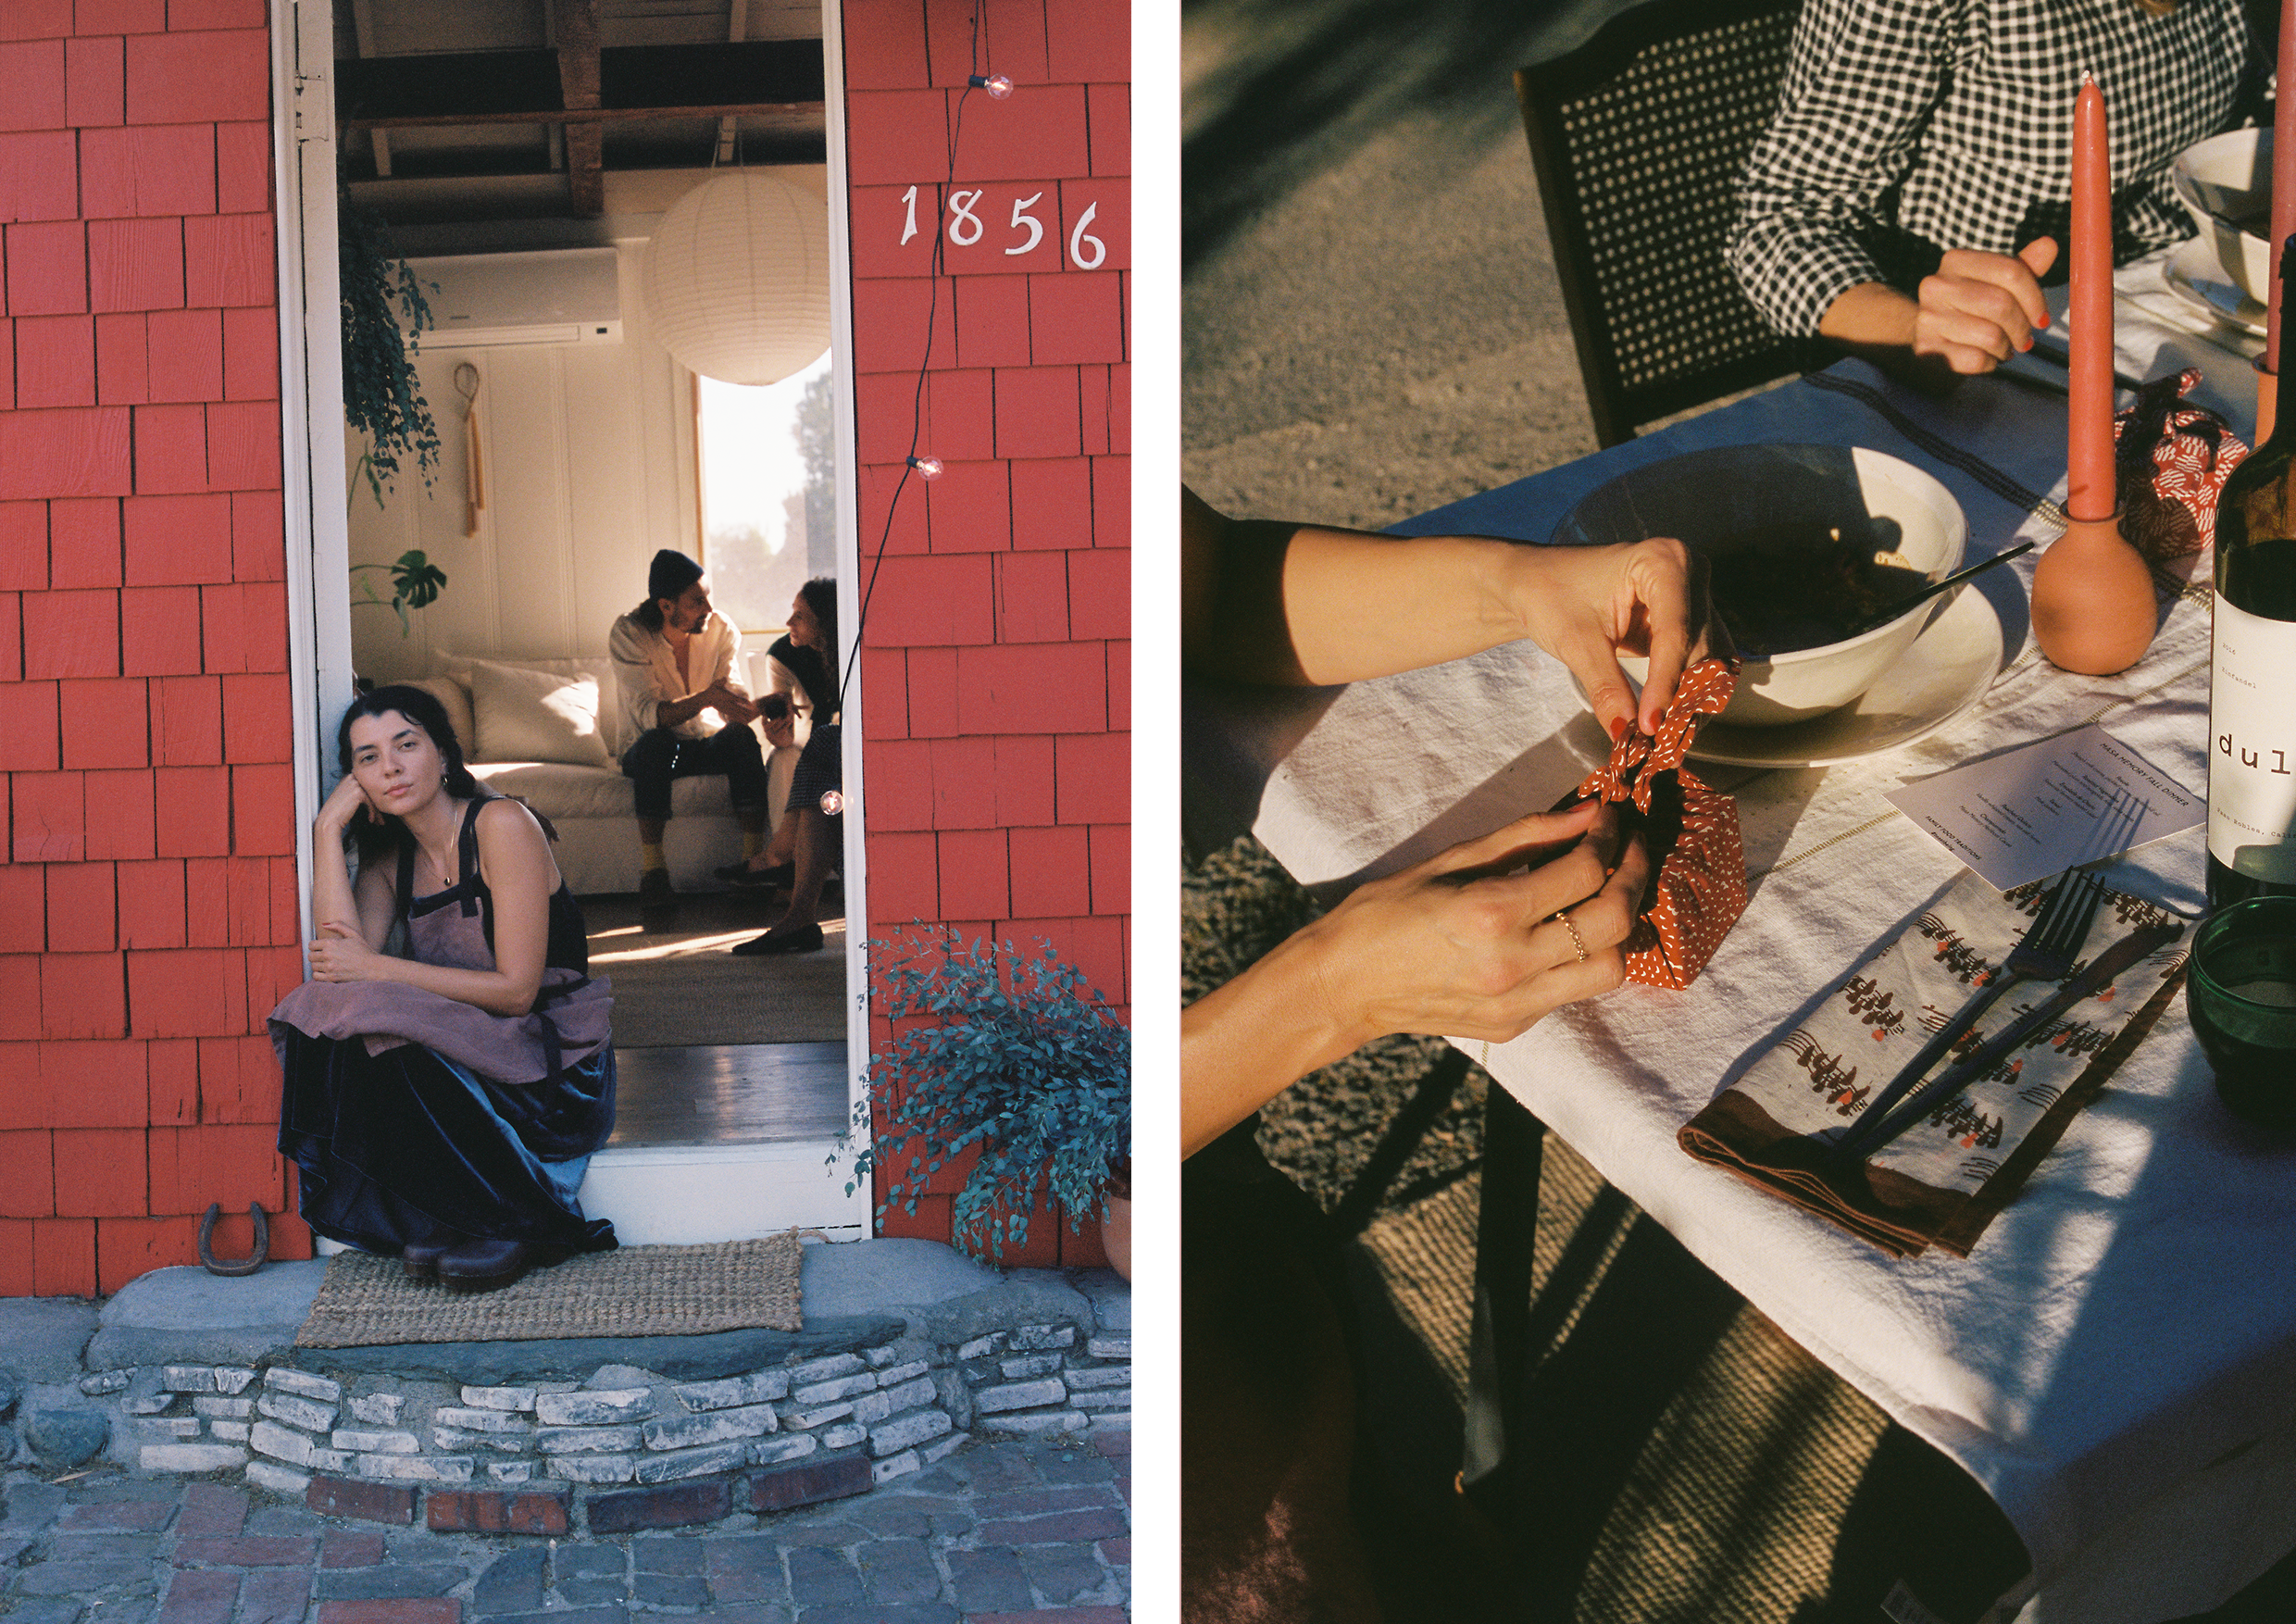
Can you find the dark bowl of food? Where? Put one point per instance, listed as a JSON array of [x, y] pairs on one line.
[[1804, 544]]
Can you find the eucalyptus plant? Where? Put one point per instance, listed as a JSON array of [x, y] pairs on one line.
[[383, 312], [1008, 1052]]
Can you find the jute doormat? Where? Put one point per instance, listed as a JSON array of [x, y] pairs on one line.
[[639, 1291]]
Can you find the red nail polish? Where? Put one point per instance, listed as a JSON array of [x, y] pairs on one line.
[[1618, 729]]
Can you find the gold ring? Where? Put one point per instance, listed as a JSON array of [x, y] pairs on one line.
[[1562, 919]]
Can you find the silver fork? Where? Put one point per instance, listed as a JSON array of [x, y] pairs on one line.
[[2045, 953]]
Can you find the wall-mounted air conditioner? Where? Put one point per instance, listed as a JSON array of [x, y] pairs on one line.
[[548, 296]]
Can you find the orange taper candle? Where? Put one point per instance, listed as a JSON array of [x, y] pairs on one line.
[[2283, 183], [2088, 445]]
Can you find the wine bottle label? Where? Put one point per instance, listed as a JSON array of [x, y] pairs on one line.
[[2251, 756]]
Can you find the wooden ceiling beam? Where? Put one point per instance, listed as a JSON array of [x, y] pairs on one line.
[[577, 87], [590, 115], [529, 87]]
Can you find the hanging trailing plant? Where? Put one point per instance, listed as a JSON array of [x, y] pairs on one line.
[[384, 310], [996, 1049]]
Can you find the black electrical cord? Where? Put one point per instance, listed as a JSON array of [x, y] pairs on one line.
[[932, 318]]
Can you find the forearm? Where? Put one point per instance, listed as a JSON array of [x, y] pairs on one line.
[[1871, 316], [331, 900], [1287, 605], [1247, 1041], [1366, 605], [672, 713], [496, 992]]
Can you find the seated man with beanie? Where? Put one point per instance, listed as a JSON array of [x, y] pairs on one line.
[[673, 666]]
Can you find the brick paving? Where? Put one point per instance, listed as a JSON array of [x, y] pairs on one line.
[[997, 1533]]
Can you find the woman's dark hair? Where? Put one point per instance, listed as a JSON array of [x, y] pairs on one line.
[[820, 596], [424, 710], [670, 573]]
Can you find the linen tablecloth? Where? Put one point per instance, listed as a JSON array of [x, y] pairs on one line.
[[2130, 1322]]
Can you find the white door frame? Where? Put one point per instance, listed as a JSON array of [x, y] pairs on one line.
[[714, 1182]]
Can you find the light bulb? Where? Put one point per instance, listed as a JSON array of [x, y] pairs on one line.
[[832, 803], [927, 467], [996, 84]]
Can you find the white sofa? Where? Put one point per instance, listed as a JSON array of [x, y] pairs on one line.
[[580, 788]]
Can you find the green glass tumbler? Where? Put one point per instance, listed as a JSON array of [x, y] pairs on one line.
[[2241, 994]]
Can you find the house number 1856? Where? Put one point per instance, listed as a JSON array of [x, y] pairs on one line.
[[965, 227]]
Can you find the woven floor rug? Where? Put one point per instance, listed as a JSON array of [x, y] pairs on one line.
[[639, 1291]]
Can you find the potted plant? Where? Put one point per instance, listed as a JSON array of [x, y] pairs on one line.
[[1008, 1053]]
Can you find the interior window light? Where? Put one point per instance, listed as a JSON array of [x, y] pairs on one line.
[[768, 492]]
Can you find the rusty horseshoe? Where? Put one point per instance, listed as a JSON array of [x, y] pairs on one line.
[[247, 1264]]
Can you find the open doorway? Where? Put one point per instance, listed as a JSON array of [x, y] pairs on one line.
[[522, 154]]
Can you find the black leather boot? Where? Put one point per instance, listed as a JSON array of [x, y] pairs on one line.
[[487, 1266]]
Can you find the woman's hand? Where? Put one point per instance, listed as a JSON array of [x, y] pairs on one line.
[[781, 731], [1469, 944], [342, 955], [345, 802], [1980, 308], [1586, 606], [1465, 944]]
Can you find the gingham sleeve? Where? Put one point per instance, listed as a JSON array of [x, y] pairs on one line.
[[1863, 77]]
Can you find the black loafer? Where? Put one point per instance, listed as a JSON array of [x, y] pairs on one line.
[[657, 899], [804, 939], [487, 1266], [743, 874]]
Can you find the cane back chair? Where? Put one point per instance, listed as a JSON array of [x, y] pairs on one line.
[[1637, 137]]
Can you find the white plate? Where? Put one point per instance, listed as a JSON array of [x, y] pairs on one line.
[[2194, 275], [1947, 669]]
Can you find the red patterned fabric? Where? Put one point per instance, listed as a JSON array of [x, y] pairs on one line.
[[2170, 461], [1700, 885]]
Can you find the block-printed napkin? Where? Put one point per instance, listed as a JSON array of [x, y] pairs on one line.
[[1944, 1178]]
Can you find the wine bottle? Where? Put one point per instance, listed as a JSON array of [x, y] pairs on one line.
[[2252, 695]]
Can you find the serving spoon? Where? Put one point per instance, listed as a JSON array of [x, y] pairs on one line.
[[1882, 616]]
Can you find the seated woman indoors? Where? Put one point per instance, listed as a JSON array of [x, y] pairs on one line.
[[805, 848], [449, 1067]]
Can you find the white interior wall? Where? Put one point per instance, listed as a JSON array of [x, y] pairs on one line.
[[588, 453]]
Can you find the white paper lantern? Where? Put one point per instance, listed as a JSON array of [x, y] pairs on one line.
[[738, 278]]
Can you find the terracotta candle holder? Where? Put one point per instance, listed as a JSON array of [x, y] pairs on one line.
[[2093, 607]]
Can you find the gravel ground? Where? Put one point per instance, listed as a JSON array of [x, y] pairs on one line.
[[1372, 321]]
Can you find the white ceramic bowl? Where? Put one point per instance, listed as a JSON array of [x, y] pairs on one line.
[[2224, 178], [1704, 497]]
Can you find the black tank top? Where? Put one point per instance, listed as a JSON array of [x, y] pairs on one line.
[[568, 944]]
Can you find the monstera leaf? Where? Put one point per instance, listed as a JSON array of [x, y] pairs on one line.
[[415, 583]]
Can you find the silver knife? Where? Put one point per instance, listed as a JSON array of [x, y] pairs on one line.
[[2128, 950]]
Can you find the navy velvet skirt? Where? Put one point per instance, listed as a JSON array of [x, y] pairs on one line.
[[396, 1148]]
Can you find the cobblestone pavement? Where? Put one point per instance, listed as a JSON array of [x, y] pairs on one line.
[[997, 1532]]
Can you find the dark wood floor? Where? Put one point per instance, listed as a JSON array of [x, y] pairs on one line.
[[729, 1093]]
